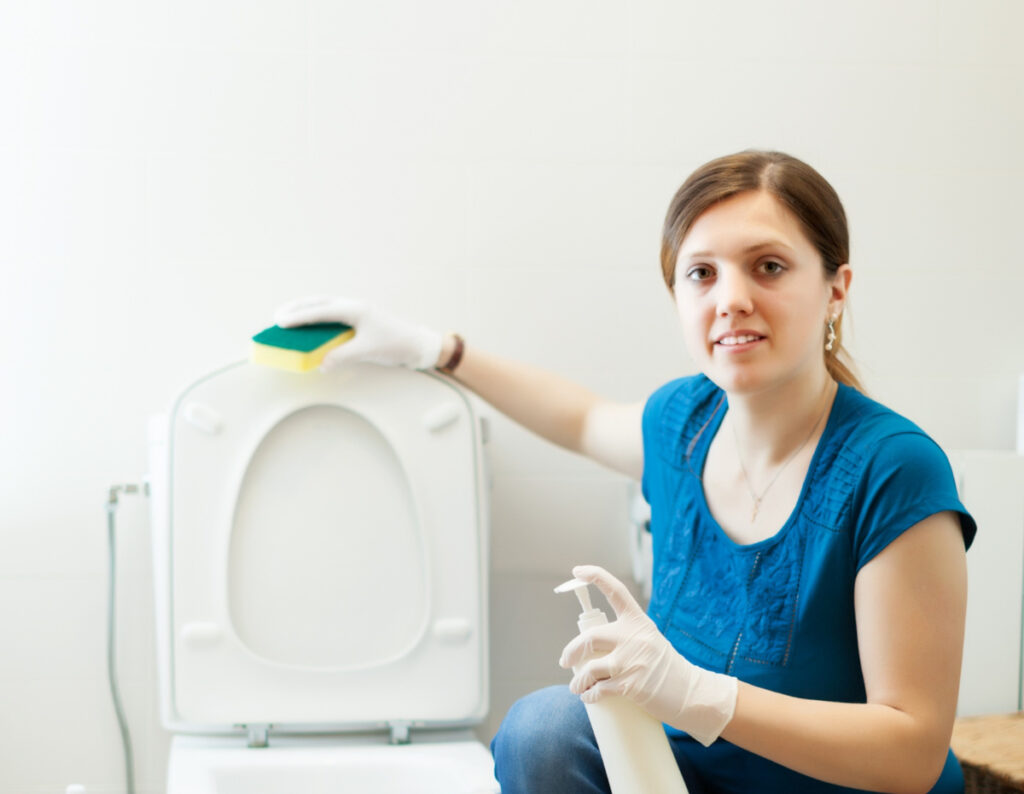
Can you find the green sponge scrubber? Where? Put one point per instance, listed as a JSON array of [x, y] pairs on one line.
[[298, 349]]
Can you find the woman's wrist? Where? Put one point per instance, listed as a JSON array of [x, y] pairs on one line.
[[452, 346]]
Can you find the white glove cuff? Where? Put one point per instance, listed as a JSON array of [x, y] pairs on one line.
[[709, 706], [430, 344]]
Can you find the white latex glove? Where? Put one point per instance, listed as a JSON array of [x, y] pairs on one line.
[[639, 663], [380, 337]]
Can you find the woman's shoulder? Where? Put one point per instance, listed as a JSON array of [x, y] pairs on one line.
[[884, 474], [682, 394], [865, 425], [675, 415]]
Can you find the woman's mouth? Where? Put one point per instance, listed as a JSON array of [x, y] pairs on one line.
[[738, 342], [740, 339]]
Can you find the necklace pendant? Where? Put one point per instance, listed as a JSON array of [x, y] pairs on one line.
[[753, 516]]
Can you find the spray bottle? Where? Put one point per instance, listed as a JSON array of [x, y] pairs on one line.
[[633, 745]]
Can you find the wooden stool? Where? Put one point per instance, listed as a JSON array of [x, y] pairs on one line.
[[991, 753]]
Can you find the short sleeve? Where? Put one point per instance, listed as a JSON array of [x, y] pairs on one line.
[[906, 479]]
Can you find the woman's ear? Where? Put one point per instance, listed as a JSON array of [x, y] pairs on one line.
[[838, 288]]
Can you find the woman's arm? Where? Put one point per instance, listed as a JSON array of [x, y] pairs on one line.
[[552, 407], [910, 603], [556, 409]]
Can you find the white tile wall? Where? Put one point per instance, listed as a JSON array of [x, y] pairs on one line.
[[992, 681], [171, 171]]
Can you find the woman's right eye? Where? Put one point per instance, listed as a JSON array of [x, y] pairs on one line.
[[699, 273]]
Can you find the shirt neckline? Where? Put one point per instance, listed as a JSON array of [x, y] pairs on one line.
[[701, 453]]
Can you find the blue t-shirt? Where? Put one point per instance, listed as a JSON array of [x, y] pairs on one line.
[[779, 613]]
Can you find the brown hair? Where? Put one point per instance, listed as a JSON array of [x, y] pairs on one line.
[[799, 187]]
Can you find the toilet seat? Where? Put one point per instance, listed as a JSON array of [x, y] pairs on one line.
[[320, 549]]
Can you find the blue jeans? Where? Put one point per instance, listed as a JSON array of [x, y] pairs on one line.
[[545, 745]]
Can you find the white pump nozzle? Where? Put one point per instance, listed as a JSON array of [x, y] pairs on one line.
[[589, 616], [581, 589]]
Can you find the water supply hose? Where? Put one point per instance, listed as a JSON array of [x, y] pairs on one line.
[[115, 694]]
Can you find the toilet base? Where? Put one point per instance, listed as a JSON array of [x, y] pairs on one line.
[[453, 762]]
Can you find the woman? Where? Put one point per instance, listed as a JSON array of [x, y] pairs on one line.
[[806, 623]]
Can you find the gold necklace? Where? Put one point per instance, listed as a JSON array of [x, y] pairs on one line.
[[746, 477]]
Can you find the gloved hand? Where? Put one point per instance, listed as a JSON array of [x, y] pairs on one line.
[[380, 337], [639, 663]]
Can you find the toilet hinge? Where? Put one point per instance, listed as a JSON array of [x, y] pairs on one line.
[[399, 731], [258, 734]]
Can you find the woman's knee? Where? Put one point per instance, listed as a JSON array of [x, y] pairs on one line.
[[546, 740], [547, 715]]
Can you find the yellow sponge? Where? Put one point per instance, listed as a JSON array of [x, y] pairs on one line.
[[298, 349]]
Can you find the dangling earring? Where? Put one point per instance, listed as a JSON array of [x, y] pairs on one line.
[[831, 334]]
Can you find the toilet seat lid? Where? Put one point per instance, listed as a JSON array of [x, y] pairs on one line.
[[326, 544]]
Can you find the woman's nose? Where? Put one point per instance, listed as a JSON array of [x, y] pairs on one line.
[[733, 293]]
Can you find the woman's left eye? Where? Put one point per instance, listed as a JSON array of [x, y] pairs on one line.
[[771, 267]]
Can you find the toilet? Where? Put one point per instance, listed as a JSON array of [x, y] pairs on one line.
[[320, 565]]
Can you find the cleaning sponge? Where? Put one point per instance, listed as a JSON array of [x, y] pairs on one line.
[[298, 349]]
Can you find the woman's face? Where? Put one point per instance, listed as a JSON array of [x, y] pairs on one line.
[[753, 296]]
